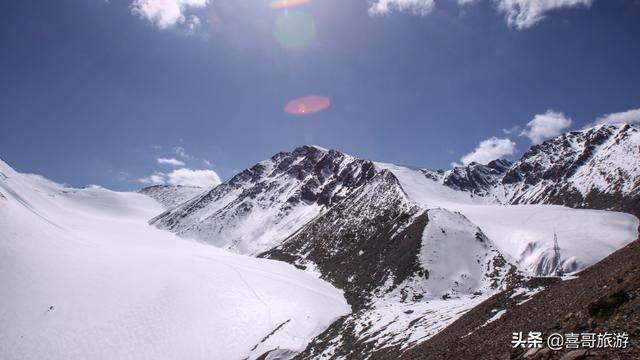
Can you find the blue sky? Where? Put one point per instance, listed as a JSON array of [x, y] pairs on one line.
[[96, 92]]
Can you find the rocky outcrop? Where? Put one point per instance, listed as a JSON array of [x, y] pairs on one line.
[[602, 298], [477, 178], [257, 209]]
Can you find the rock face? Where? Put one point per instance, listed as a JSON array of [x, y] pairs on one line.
[[359, 243], [257, 209], [261, 206], [391, 239], [595, 168], [477, 178], [413, 289], [601, 299]]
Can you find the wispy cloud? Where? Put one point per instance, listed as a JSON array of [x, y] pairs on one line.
[[157, 178], [519, 14], [170, 161], [523, 14], [168, 13], [514, 130], [490, 149], [179, 150], [629, 117], [192, 23], [545, 126]]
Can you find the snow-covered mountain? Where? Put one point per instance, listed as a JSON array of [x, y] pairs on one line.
[[378, 238], [413, 249], [171, 196], [408, 276], [84, 276], [596, 168], [410, 249], [258, 209], [261, 206], [477, 178], [525, 233]]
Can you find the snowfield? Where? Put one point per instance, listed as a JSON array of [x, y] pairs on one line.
[[85, 277], [524, 233]]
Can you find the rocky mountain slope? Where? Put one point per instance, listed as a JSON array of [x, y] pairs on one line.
[[171, 196], [411, 250], [414, 249], [604, 298], [476, 178], [595, 168], [258, 208], [413, 289]]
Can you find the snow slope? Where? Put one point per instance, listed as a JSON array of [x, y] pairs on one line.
[[85, 277], [171, 196], [459, 257], [525, 232]]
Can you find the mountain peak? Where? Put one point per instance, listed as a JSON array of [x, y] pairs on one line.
[[592, 168], [264, 204], [477, 178]]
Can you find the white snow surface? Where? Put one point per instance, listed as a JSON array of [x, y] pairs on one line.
[[618, 154], [456, 256], [459, 259], [524, 233], [85, 277], [394, 323], [171, 196]]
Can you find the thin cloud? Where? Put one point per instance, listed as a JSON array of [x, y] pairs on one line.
[[624, 117], [179, 150], [170, 161], [193, 23], [167, 13], [517, 129], [523, 14], [157, 178], [488, 150], [519, 14], [546, 126]]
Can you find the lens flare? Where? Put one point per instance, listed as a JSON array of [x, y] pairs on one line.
[[284, 4], [307, 105], [294, 29]]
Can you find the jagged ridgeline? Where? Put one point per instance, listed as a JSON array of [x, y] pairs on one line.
[[256, 209], [412, 248]]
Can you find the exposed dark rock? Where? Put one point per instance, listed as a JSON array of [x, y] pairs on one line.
[[360, 241], [603, 298], [477, 178]]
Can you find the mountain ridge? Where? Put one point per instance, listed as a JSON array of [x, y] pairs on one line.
[[372, 239], [411, 249]]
